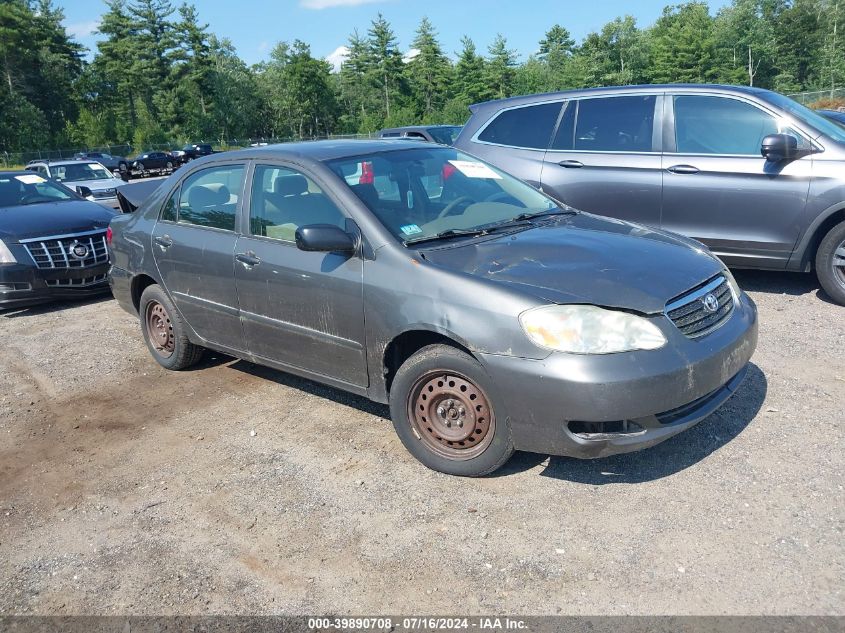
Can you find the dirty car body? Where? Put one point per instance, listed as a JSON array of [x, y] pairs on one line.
[[448, 258]]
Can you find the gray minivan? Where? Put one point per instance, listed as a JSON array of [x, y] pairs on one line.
[[751, 173]]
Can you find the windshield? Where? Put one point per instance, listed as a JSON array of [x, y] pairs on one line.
[[419, 194], [810, 117], [444, 135], [80, 172], [22, 189]]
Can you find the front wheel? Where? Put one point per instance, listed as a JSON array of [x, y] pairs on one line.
[[169, 166], [445, 412], [830, 263], [164, 332]]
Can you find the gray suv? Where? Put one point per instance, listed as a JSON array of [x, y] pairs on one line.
[[754, 175]]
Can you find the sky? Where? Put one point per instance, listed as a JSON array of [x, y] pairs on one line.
[[255, 26]]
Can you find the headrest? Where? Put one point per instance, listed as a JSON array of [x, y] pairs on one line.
[[208, 196], [290, 185]]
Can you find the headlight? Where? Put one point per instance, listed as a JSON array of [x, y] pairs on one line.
[[584, 329], [6, 256], [732, 283]]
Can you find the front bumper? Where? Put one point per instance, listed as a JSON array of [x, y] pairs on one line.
[[23, 285], [594, 406]]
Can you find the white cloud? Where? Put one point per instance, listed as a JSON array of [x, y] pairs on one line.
[[328, 4], [80, 30], [410, 55], [337, 57]]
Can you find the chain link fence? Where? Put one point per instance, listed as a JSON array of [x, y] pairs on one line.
[[807, 98], [9, 160]]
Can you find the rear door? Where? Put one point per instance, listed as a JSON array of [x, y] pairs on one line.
[[193, 243], [304, 309], [516, 139], [605, 157], [721, 191]]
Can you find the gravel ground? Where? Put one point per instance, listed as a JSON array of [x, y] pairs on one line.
[[125, 489]]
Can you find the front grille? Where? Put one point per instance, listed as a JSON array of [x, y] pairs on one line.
[[703, 309], [76, 283], [79, 250], [104, 193]]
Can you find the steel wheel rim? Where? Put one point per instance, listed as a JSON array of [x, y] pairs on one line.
[[838, 263], [451, 415], [160, 330]]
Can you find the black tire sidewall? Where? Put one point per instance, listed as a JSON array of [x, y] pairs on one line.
[[184, 353], [824, 263], [444, 357]]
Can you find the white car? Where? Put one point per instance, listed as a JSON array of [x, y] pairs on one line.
[[89, 178]]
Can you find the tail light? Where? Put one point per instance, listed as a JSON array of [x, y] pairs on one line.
[[367, 174], [108, 236]]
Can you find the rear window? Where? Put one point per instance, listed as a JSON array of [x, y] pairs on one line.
[[529, 127]]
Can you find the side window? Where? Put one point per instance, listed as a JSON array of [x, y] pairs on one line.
[[283, 200], [719, 125], [170, 209], [615, 124], [42, 171], [565, 135], [210, 197], [529, 127]]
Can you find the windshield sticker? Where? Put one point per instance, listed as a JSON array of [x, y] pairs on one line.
[[474, 170], [30, 179], [411, 229]]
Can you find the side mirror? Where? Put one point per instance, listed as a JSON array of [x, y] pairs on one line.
[[324, 238], [84, 191], [778, 147]]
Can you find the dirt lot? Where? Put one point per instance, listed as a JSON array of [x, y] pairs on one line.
[[127, 489]]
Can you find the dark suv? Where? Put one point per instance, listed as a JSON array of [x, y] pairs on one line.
[[754, 175]]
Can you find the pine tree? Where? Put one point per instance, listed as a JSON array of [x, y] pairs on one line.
[[500, 71], [385, 61], [428, 72]]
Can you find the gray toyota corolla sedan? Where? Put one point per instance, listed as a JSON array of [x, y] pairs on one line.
[[488, 316]]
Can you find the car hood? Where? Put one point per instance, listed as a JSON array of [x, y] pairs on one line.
[[94, 185], [588, 259], [52, 218]]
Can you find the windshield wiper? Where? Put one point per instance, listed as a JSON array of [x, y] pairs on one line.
[[449, 233], [538, 214]]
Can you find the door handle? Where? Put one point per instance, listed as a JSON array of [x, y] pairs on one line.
[[164, 242], [683, 169], [248, 259], [571, 164]]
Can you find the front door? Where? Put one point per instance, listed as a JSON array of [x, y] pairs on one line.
[[298, 308], [193, 244], [718, 188], [605, 157]]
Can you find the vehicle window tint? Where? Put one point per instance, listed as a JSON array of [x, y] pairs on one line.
[[210, 197], [716, 125], [169, 210], [565, 135], [615, 124], [530, 127], [283, 200]]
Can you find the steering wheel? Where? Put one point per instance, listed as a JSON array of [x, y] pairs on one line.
[[499, 195], [32, 197], [450, 207]]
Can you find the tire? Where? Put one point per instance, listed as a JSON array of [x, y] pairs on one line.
[[830, 263], [140, 167], [164, 331], [446, 412], [169, 166]]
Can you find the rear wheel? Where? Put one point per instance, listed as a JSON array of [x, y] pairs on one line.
[[164, 331], [830, 263], [169, 166], [445, 412]]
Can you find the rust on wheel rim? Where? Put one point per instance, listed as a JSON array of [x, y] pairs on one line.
[[160, 329], [451, 415]]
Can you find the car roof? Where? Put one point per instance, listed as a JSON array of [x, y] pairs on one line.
[[607, 90], [66, 161], [414, 128], [11, 174], [319, 151]]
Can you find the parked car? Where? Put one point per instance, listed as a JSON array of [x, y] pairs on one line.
[[837, 116], [112, 163], [486, 314], [88, 178], [153, 161], [442, 134], [52, 242], [754, 175], [192, 152]]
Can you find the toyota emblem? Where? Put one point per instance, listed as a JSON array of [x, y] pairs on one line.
[[710, 303], [78, 250]]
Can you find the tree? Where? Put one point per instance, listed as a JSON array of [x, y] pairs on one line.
[[500, 71], [428, 72], [469, 74], [385, 63], [683, 44]]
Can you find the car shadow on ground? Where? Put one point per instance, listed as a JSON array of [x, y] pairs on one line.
[[53, 306], [778, 282], [670, 457]]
